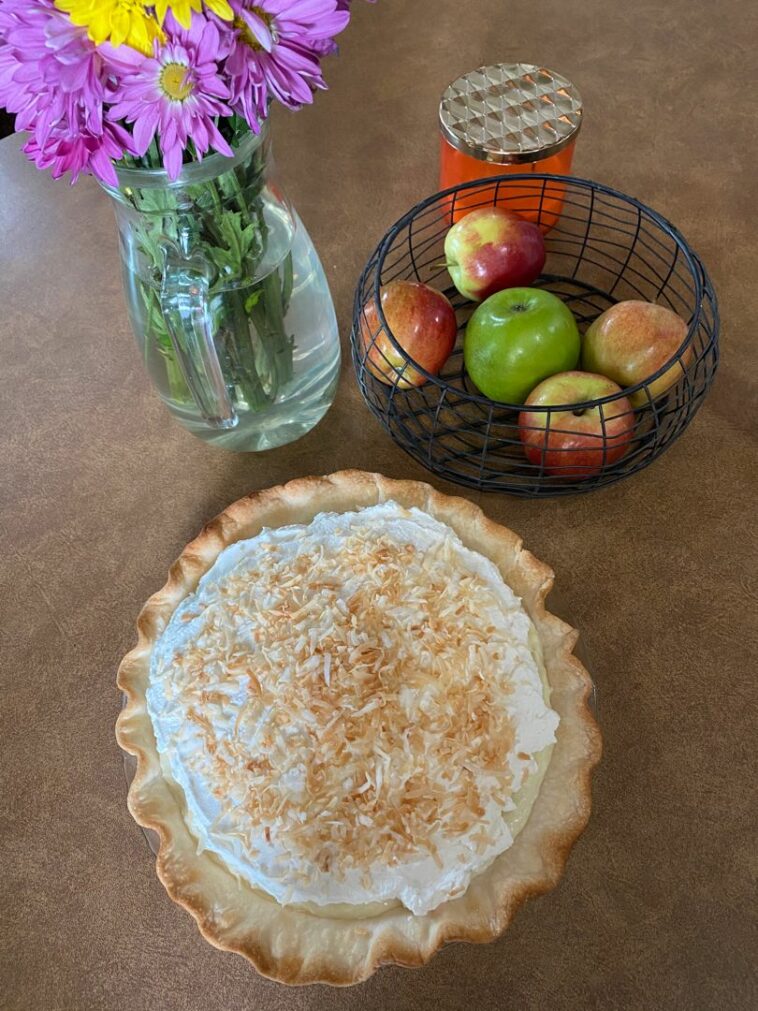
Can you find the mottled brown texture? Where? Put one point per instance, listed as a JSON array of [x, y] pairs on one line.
[[101, 490]]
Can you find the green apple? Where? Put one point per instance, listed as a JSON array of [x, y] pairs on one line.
[[517, 338]]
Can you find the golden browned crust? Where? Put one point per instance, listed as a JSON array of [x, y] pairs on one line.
[[290, 944]]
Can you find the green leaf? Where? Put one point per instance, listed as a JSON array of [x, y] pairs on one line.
[[239, 238], [225, 261]]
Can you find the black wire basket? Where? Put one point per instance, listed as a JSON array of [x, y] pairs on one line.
[[602, 247]]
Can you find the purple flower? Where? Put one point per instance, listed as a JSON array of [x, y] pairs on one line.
[[54, 80], [176, 93], [65, 150], [276, 52], [327, 47]]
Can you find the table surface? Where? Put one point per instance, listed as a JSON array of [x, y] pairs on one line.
[[101, 489]]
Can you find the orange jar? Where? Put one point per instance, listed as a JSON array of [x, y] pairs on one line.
[[509, 118]]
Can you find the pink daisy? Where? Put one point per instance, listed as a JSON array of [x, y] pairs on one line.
[[327, 47], [54, 80], [276, 51], [177, 93], [65, 150]]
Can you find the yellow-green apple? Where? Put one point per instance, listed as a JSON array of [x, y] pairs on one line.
[[491, 249], [576, 443], [517, 338], [632, 340], [423, 323]]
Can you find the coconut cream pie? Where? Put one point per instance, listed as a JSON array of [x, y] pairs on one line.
[[358, 732]]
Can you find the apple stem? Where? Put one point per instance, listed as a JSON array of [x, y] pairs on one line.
[[445, 263]]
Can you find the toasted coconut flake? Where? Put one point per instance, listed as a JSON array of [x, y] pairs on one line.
[[380, 665]]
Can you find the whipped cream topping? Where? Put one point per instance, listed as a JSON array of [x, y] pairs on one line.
[[351, 708]]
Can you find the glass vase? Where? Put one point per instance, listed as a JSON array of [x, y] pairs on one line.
[[227, 298]]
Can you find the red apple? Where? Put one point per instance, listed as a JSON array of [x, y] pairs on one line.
[[491, 249], [632, 340], [423, 323], [576, 443]]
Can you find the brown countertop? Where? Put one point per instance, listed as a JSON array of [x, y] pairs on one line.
[[101, 490]]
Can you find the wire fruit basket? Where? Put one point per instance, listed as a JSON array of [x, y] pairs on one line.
[[602, 247]]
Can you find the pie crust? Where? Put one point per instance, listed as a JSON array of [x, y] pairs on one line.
[[290, 944]]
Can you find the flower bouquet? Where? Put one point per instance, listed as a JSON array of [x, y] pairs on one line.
[[166, 104]]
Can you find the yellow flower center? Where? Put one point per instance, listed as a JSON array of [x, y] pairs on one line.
[[175, 81], [246, 35]]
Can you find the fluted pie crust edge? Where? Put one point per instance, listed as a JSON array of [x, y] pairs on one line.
[[289, 944]]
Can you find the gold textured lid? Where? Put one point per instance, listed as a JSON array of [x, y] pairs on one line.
[[510, 113]]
